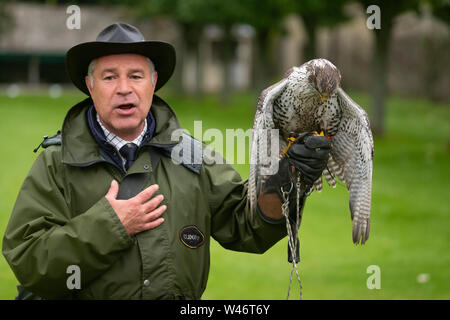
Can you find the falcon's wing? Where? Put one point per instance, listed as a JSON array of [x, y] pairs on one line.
[[352, 155], [262, 138]]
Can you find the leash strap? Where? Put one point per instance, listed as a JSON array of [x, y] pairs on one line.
[[293, 241]]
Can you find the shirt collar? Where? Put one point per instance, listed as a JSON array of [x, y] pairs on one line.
[[118, 142], [83, 140]]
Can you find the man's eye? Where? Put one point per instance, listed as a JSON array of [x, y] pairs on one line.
[[108, 78], [136, 77]]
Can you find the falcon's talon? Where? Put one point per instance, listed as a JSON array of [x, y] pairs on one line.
[[321, 134], [290, 142]]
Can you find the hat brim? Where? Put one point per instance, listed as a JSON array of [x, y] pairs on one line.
[[78, 58]]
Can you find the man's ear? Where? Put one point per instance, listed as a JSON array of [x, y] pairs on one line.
[[87, 80], [154, 78]]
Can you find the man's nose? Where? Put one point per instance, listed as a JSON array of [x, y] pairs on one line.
[[123, 87]]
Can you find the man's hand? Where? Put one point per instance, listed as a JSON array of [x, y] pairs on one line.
[[139, 213], [309, 155]]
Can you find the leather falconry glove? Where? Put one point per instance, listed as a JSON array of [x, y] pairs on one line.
[[309, 155]]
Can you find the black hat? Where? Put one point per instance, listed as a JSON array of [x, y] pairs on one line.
[[119, 38]]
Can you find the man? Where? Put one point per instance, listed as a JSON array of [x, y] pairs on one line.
[[108, 199]]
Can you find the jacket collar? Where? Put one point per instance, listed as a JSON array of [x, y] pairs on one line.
[[80, 146], [99, 134]]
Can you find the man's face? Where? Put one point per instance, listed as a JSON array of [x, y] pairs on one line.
[[122, 92]]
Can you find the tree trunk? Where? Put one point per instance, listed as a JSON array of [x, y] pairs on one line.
[[380, 60], [191, 38], [227, 56], [179, 70], [310, 48], [199, 63], [261, 63]]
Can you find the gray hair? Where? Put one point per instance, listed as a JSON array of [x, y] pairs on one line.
[[91, 68]]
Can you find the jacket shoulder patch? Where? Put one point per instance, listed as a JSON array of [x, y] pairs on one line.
[[50, 141], [189, 153], [192, 237]]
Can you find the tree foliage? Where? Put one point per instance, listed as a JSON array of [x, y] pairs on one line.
[[379, 61], [440, 9], [5, 17], [315, 14]]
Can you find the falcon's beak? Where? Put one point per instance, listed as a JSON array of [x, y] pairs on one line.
[[323, 98]]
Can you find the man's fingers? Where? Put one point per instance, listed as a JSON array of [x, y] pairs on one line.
[[153, 224], [152, 204], [113, 190], [313, 142], [147, 193], [155, 213], [301, 152], [308, 164]]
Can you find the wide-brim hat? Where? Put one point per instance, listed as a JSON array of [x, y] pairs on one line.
[[120, 38]]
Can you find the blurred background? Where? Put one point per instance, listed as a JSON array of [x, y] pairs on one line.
[[227, 53]]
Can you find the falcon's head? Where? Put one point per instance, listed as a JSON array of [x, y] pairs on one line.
[[323, 77]]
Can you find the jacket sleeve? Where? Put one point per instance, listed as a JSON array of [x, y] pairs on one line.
[[230, 225], [42, 238]]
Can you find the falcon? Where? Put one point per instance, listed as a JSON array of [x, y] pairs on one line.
[[309, 98]]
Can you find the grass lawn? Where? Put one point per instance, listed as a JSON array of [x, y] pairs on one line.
[[410, 207]]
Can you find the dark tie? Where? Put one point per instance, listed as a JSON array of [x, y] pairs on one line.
[[128, 151]]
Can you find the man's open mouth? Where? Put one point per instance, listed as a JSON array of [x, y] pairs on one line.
[[126, 106]]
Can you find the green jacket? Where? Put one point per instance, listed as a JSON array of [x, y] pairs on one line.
[[61, 218]]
